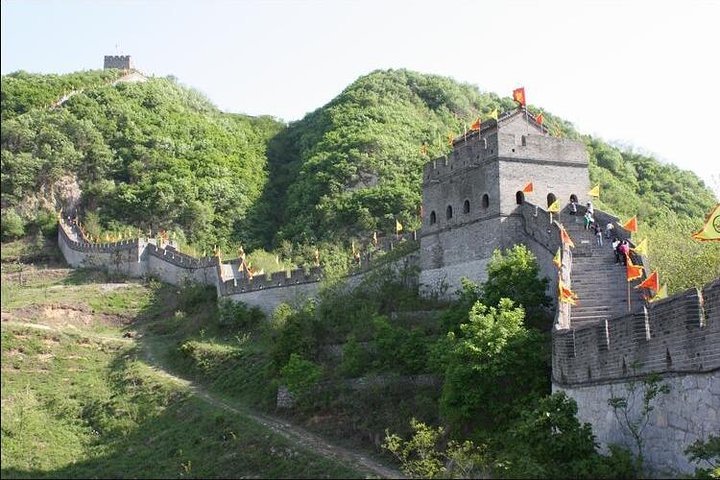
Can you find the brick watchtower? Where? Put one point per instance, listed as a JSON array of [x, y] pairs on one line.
[[472, 198], [121, 62]]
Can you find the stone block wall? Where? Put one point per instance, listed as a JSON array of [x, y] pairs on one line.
[[675, 335], [121, 62], [690, 412], [679, 339]]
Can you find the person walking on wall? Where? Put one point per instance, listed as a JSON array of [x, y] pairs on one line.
[[590, 209], [609, 230], [573, 207], [624, 249], [597, 230], [615, 245], [588, 220]]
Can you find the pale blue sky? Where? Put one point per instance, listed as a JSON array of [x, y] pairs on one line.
[[640, 72]]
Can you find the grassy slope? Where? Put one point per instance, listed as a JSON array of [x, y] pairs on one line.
[[80, 401]]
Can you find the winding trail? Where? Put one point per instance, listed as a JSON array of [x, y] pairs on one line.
[[295, 434]]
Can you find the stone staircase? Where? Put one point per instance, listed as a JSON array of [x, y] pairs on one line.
[[598, 281]]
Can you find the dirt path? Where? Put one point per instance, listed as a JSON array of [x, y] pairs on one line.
[[293, 433]]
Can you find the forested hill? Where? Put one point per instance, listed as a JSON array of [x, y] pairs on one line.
[[151, 155], [158, 155], [356, 164]]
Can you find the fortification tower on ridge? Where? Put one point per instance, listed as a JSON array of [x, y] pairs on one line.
[[121, 62], [472, 198]]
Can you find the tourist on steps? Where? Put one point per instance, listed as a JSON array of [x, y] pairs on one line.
[[609, 230], [624, 249], [597, 230], [615, 245], [588, 220]]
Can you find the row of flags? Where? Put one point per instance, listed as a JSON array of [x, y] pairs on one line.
[[633, 272], [518, 96]]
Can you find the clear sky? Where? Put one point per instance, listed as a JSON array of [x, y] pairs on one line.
[[643, 73]]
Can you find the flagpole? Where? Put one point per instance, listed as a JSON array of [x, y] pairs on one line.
[[628, 295]]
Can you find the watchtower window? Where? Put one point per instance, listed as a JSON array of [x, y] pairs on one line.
[[551, 199], [433, 218], [466, 206], [519, 197], [485, 201], [448, 212]]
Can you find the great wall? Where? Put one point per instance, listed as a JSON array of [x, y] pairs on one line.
[[474, 204]]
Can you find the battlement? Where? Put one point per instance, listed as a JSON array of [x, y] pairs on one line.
[[468, 153], [274, 280], [121, 62], [180, 259], [676, 335], [86, 246]]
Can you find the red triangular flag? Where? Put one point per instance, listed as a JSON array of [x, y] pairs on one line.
[[540, 119], [652, 282], [631, 225], [528, 188]]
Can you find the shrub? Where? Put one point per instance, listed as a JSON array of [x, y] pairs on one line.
[[355, 359], [300, 375], [237, 315], [13, 226]]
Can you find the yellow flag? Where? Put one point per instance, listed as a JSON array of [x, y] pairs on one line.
[[494, 114], [711, 229], [662, 293], [642, 247], [451, 136], [554, 207], [556, 259], [595, 191], [398, 226]]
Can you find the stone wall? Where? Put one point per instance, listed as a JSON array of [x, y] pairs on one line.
[[679, 334], [690, 412], [121, 62], [677, 338]]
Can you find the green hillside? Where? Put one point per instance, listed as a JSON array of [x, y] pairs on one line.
[[157, 155], [151, 155]]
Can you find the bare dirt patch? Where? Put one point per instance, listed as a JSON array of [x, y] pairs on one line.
[[64, 315]]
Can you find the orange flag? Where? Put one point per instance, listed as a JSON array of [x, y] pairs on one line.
[[475, 125], [633, 271], [651, 282], [566, 295], [631, 225], [565, 238], [540, 119], [528, 188], [519, 95]]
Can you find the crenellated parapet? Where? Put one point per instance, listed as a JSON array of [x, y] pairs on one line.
[[180, 259], [676, 335], [83, 245], [274, 280]]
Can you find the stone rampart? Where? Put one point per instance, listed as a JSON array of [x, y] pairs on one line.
[[677, 338], [679, 334]]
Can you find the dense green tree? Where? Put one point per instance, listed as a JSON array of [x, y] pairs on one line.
[[494, 368]]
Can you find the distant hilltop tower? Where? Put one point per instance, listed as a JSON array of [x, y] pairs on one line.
[[121, 62]]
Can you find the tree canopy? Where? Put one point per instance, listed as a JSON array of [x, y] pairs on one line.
[[158, 155]]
